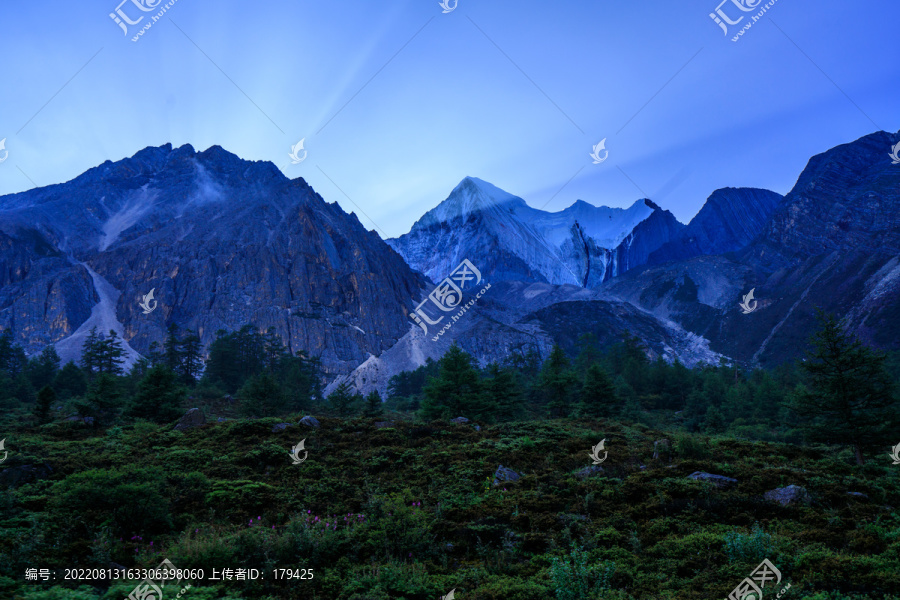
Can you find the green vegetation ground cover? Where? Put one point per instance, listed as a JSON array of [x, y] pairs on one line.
[[424, 522]]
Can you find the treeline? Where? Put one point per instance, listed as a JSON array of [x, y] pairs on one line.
[[252, 369], [841, 392]]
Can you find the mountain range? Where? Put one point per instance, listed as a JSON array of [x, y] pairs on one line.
[[223, 242]]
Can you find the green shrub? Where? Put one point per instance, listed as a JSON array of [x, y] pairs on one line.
[[752, 547], [573, 579]]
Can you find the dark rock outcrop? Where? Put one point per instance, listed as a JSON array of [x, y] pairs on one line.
[[192, 418]]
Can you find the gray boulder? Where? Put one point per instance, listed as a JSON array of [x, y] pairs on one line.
[[792, 494], [477, 427], [383, 424], [505, 474], [310, 421], [719, 481], [460, 420], [192, 418], [859, 495], [281, 427], [588, 471]]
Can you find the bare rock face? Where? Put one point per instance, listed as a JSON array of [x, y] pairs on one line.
[[720, 481], [505, 474], [192, 418], [792, 494], [223, 242]]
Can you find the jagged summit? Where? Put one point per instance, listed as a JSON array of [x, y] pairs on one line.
[[576, 245]]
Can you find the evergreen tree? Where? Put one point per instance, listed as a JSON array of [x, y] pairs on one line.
[[598, 395], [374, 407], [171, 355], [456, 390], [714, 421], [102, 400], [43, 368], [849, 396], [588, 354], [344, 400], [234, 358], [12, 356], [191, 360], [502, 392], [558, 382], [46, 398], [262, 396], [158, 397], [70, 382], [89, 356]]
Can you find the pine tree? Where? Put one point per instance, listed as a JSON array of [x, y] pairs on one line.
[[558, 381], [456, 389], [191, 361], [70, 382], [262, 396], [714, 421], [374, 406], [158, 397], [502, 393], [588, 353], [848, 397], [344, 400], [46, 398], [12, 356], [89, 357], [598, 395], [102, 400], [43, 368]]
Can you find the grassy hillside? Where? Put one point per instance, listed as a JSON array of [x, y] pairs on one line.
[[408, 511]]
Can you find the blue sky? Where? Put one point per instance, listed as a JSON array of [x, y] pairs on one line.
[[397, 101]]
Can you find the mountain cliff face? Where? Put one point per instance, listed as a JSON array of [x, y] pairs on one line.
[[729, 220], [582, 245], [832, 243], [221, 241]]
